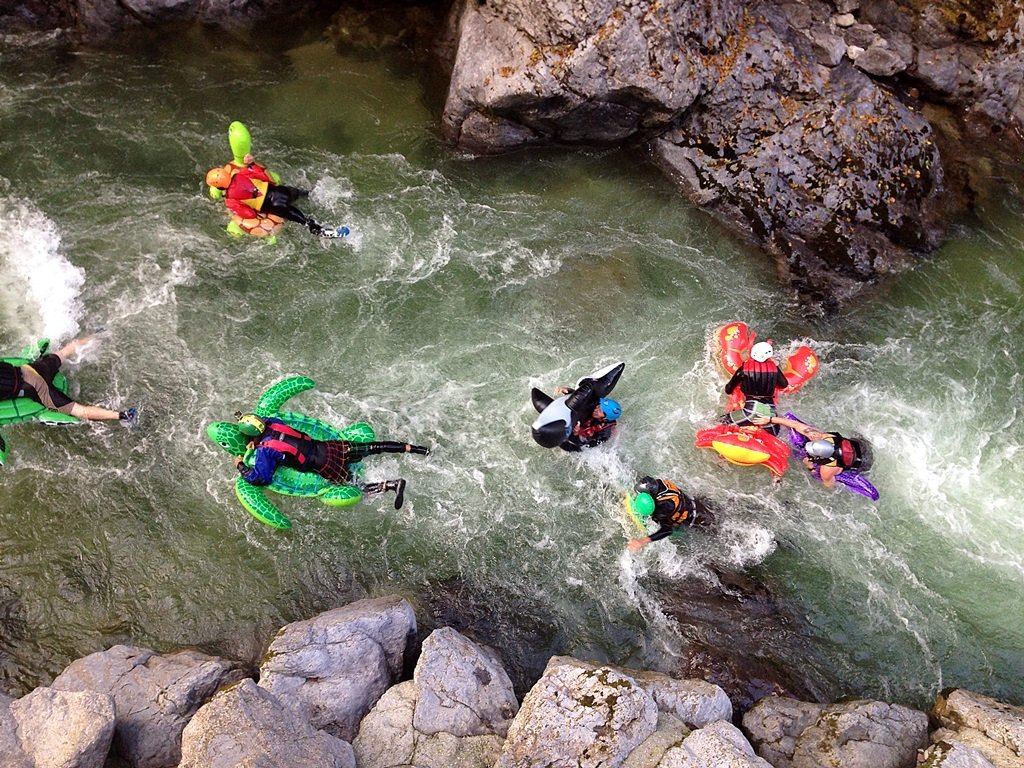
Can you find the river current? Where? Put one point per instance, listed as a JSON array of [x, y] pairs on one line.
[[464, 284]]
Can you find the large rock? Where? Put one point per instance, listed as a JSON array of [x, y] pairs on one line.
[[955, 754], [388, 739], [819, 166], [651, 751], [857, 734], [154, 696], [863, 734], [775, 723], [63, 729], [455, 711], [247, 727], [815, 163], [463, 689], [579, 717], [11, 753], [967, 54], [530, 71], [696, 703], [720, 745], [332, 669], [991, 727]]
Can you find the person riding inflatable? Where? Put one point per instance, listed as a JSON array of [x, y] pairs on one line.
[[840, 452], [251, 191], [760, 380], [667, 505], [579, 417], [275, 444]]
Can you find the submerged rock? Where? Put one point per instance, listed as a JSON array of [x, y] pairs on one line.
[[751, 663]]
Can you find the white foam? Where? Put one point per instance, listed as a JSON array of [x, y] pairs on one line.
[[39, 288]]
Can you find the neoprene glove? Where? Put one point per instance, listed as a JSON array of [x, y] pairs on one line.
[[420, 449]]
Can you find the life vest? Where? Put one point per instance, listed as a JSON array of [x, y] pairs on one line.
[[288, 441], [10, 381], [593, 428], [845, 453], [759, 379], [676, 506], [255, 190]]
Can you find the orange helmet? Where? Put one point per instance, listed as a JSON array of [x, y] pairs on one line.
[[218, 177]]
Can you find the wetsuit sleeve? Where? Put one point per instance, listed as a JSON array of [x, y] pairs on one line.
[[262, 472], [662, 533], [734, 381], [240, 209]]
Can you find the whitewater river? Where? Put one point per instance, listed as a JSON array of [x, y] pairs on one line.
[[463, 284]]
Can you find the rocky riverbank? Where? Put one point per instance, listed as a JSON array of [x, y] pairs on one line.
[[344, 689]]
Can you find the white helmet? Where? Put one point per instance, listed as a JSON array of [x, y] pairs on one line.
[[762, 351]]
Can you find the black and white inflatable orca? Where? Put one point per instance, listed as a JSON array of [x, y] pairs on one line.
[[559, 415]]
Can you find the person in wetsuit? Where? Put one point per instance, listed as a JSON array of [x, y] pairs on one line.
[[277, 444], [598, 426], [760, 379], [672, 510], [35, 381], [250, 190], [829, 453]]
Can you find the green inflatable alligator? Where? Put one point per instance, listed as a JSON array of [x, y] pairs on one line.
[[287, 481], [25, 409]]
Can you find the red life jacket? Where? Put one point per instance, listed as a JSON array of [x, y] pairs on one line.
[[296, 451], [592, 427]]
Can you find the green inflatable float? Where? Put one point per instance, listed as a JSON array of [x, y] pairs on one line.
[[287, 481], [25, 409]]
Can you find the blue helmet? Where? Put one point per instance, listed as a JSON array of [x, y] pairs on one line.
[[612, 410]]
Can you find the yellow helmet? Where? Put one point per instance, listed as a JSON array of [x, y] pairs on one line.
[[250, 424], [218, 177]]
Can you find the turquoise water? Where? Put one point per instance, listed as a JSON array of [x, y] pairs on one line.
[[464, 284]]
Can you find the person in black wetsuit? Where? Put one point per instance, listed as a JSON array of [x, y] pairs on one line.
[[828, 453], [596, 428], [35, 381], [673, 510], [760, 379], [276, 444]]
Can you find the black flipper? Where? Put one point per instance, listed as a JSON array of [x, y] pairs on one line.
[[540, 400]]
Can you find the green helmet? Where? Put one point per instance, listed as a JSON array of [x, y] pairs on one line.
[[643, 505]]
